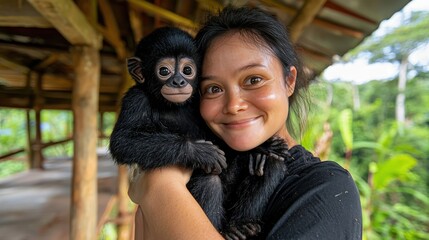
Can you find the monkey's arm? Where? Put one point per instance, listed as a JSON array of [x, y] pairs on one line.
[[134, 140], [266, 168]]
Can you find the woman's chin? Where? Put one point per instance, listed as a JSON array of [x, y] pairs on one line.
[[242, 146]]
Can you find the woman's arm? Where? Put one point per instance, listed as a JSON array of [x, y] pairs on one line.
[[168, 210]]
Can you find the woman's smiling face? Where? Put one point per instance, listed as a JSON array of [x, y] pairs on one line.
[[244, 92]]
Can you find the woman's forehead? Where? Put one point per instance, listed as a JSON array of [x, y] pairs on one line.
[[243, 38]]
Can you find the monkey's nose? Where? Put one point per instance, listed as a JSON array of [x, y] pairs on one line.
[[179, 82]]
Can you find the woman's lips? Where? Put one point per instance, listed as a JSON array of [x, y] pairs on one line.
[[241, 123]]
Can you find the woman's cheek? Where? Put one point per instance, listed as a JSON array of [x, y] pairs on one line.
[[207, 110]]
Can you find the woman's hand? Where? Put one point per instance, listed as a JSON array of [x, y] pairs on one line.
[[144, 182], [167, 210]]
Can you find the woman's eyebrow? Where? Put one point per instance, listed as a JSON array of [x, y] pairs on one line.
[[251, 65], [243, 68]]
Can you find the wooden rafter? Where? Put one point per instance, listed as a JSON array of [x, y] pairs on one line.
[[317, 21], [66, 17], [154, 10], [210, 5], [315, 55], [304, 17], [13, 65], [136, 24], [111, 31], [51, 59], [21, 14], [343, 10]]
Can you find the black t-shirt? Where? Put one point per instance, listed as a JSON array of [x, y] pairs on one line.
[[316, 200]]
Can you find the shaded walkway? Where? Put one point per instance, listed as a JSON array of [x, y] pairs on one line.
[[36, 204]]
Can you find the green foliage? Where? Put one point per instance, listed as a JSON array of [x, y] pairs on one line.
[[345, 124], [398, 43], [56, 125], [395, 168], [12, 130], [390, 170], [10, 167]]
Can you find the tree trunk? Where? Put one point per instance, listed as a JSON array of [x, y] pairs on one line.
[[400, 98]]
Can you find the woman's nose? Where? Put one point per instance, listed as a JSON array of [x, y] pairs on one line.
[[234, 103]]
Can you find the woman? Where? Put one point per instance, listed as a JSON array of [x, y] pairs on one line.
[[251, 78]]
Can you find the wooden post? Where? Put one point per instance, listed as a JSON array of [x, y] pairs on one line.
[[38, 142], [124, 228], [30, 152], [85, 107]]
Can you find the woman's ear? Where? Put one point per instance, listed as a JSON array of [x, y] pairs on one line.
[[290, 81]]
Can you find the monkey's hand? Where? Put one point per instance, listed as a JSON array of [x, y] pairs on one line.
[[242, 231], [208, 156], [274, 149]]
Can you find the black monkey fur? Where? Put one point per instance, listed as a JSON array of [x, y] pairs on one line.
[[160, 125]]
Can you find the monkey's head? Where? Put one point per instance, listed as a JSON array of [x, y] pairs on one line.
[[165, 65]]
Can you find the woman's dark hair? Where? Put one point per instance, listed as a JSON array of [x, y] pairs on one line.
[[268, 32]]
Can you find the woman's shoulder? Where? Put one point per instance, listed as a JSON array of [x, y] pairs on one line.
[[316, 199]]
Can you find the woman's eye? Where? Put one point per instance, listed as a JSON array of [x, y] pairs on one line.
[[187, 70], [213, 90], [164, 71], [253, 80]]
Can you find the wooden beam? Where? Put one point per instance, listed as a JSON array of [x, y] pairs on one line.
[[304, 17], [11, 153], [66, 17], [30, 153], [344, 30], [13, 65], [51, 59], [111, 32], [136, 25], [38, 140], [345, 11], [21, 14], [315, 55], [105, 216], [89, 8], [83, 223], [210, 5], [165, 14], [124, 228]]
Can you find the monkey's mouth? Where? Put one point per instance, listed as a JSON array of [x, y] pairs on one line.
[[176, 95]]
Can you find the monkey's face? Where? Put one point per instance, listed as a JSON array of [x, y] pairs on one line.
[[177, 76]]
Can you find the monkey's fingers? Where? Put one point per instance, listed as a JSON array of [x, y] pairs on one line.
[[230, 236], [236, 234], [207, 169], [276, 157], [251, 229], [222, 162], [251, 165], [261, 164]]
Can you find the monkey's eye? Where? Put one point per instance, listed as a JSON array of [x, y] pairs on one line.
[[187, 70], [164, 71]]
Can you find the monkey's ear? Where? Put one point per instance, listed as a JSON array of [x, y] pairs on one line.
[[135, 69]]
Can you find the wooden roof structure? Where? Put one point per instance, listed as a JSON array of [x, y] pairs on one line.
[[70, 54], [36, 37]]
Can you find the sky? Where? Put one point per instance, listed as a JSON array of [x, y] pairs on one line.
[[359, 71]]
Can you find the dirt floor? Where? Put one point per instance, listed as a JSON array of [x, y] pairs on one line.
[[36, 204]]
